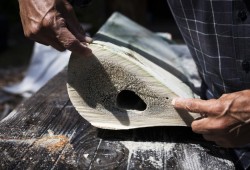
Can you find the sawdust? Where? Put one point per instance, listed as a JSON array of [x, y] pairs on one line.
[[160, 153], [156, 163], [53, 143], [135, 149], [195, 154]]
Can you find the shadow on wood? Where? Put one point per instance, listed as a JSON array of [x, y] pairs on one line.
[[95, 87]]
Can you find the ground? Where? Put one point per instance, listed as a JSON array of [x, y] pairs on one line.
[[7, 101], [14, 60]]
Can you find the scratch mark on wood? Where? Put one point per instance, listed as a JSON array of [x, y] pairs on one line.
[[95, 154]]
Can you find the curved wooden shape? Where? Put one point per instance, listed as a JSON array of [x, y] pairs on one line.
[[116, 88]]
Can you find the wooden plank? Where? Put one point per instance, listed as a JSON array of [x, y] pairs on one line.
[[50, 101], [46, 132], [122, 31], [116, 88], [129, 60], [168, 148]]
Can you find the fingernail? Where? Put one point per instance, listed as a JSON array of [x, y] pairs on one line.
[[173, 101], [88, 39]]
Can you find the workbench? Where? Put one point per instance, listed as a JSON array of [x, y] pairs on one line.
[[46, 132]]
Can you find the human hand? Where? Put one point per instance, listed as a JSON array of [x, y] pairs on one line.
[[227, 120], [53, 22]]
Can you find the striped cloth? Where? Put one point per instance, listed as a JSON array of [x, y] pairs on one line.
[[217, 33]]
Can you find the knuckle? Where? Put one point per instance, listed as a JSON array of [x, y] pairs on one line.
[[70, 44], [217, 109], [196, 130], [48, 21], [61, 22], [224, 95], [221, 126], [190, 106], [53, 19], [194, 126]]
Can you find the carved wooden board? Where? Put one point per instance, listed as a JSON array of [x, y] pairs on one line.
[[116, 88], [129, 85]]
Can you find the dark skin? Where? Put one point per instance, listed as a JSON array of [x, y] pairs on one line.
[[53, 22], [227, 121]]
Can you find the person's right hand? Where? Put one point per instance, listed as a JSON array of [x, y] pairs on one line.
[[53, 22], [225, 121]]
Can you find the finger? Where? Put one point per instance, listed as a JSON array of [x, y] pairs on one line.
[[80, 36], [73, 24], [52, 41], [48, 40], [57, 25], [204, 127], [76, 29], [197, 105], [69, 41], [88, 39], [214, 125], [55, 44]]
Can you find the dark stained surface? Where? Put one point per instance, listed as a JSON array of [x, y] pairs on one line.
[[45, 132]]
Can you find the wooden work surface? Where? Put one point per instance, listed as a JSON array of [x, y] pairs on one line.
[[45, 132]]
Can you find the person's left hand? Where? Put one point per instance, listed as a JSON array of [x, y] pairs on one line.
[[227, 120]]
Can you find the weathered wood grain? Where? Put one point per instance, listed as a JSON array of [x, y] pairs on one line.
[[128, 60], [124, 32], [116, 88], [169, 148], [46, 132]]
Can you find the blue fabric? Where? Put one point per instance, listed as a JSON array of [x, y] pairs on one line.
[[217, 33]]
